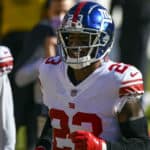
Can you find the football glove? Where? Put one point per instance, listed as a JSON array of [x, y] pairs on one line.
[[84, 140]]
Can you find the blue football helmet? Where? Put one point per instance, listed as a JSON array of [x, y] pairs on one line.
[[92, 20]]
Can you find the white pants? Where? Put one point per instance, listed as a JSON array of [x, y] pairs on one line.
[[7, 121]]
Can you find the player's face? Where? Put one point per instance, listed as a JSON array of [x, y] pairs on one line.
[[77, 42]]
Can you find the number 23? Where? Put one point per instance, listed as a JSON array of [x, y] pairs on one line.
[[78, 119]]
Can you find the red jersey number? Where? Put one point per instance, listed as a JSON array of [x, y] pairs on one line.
[[63, 131], [120, 68]]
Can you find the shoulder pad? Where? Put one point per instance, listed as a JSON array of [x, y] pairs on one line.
[[132, 82], [130, 78], [53, 60]]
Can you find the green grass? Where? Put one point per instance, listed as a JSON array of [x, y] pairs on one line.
[[147, 112], [22, 136], [21, 139], [148, 79]]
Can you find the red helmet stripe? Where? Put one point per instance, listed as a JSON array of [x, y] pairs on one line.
[[77, 11]]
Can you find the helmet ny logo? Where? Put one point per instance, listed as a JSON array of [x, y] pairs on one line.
[[105, 15], [70, 23]]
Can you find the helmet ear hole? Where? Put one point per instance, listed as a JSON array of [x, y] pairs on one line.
[[94, 52], [104, 39]]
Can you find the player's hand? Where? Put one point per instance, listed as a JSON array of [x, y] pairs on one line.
[[84, 140], [40, 148]]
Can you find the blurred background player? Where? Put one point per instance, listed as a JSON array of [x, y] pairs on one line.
[[7, 120], [39, 43]]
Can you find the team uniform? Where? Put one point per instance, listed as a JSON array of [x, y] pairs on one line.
[[7, 121], [92, 104]]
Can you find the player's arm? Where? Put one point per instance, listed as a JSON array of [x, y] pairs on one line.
[[133, 126], [44, 142], [131, 119]]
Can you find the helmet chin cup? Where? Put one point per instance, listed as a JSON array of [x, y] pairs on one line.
[[78, 63], [79, 66]]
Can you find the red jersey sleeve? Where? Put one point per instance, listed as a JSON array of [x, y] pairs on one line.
[[131, 82]]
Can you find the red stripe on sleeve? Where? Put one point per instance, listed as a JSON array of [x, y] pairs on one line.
[[138, 88], [5, 64]]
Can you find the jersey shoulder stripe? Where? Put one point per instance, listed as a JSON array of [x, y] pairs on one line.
[[129, 78], [132, 82]]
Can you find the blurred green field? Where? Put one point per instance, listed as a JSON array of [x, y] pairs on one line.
[[21, 136], [21, 139], [148, 89], [148, 78]]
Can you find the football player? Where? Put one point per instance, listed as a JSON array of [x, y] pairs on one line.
[[94, 102], [7, 120]]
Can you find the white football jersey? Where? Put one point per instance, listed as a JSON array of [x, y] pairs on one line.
[[89, 105]]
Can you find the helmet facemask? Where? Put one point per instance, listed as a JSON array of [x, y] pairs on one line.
[[94, 23], [85, 51]]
